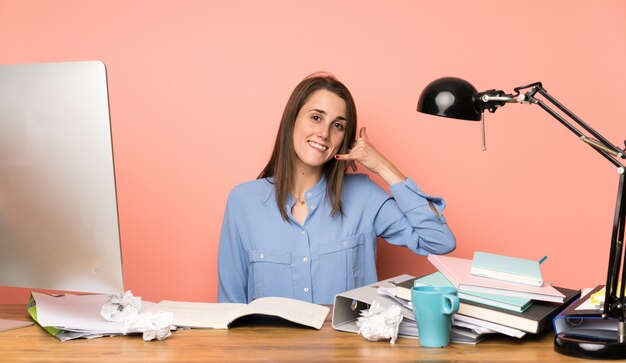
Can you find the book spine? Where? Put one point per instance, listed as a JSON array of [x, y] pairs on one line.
[[512, 321], [515, 293], [506, 276], [502, 305]]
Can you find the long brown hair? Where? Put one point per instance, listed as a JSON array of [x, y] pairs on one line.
[[281, 165]]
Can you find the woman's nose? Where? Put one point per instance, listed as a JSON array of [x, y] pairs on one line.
[[322, 131]]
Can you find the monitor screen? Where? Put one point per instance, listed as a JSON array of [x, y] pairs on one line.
[[58, 209]]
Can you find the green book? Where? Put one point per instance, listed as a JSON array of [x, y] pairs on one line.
[[507, 268], [512, 303]]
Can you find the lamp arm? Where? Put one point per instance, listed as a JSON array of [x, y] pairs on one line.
[[614, 302], [492, 99], [614, 150], [601, 150], [598, 145]]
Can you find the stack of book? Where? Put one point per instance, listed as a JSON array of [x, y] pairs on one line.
[[349, 306], [509, 307]]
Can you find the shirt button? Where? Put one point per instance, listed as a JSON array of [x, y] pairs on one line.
[[303, 232], [306, 259], [345, 243], [313, 206], [306, 289], [309, 194], [262, 255]]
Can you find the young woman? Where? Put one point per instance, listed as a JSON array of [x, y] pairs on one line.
[[305, 229]]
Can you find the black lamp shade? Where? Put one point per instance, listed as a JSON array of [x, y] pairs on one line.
[[449, 97]]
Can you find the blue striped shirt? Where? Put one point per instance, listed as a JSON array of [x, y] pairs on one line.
[[260, 254]]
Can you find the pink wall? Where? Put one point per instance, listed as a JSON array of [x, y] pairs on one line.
[[197, 88]]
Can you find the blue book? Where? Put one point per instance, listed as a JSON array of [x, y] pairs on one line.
[[512, 303], [507, 268]]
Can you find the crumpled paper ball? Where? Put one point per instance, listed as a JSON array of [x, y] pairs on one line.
[[125, 308], [152, 325], [121, 308], [378, 323]]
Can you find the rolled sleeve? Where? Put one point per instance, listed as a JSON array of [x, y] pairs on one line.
[[406, 219], [410, 197]]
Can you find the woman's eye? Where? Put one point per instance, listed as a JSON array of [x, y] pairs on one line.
[[316, 118], [339, 126]]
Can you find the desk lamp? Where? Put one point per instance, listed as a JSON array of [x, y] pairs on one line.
[[456, 98]]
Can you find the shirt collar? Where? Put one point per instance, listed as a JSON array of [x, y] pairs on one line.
[[317, 190]]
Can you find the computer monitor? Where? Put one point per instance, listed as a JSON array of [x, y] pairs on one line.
[[58, 209]]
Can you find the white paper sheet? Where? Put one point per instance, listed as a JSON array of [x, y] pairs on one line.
[[76, 312]]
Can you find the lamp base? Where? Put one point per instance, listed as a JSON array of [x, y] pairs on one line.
[[591, 344]]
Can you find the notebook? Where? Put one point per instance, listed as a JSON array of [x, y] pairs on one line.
[[507, 268], [517, 304], [457, 271]]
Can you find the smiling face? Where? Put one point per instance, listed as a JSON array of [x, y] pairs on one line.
[[319, 130]]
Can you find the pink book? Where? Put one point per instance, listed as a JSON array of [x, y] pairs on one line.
[[457, 271]]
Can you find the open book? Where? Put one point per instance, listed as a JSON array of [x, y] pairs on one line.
[[221, 315]]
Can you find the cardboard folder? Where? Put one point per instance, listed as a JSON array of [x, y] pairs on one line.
[[349, 304]]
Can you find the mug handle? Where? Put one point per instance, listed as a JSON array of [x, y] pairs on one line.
[[450, 304]]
